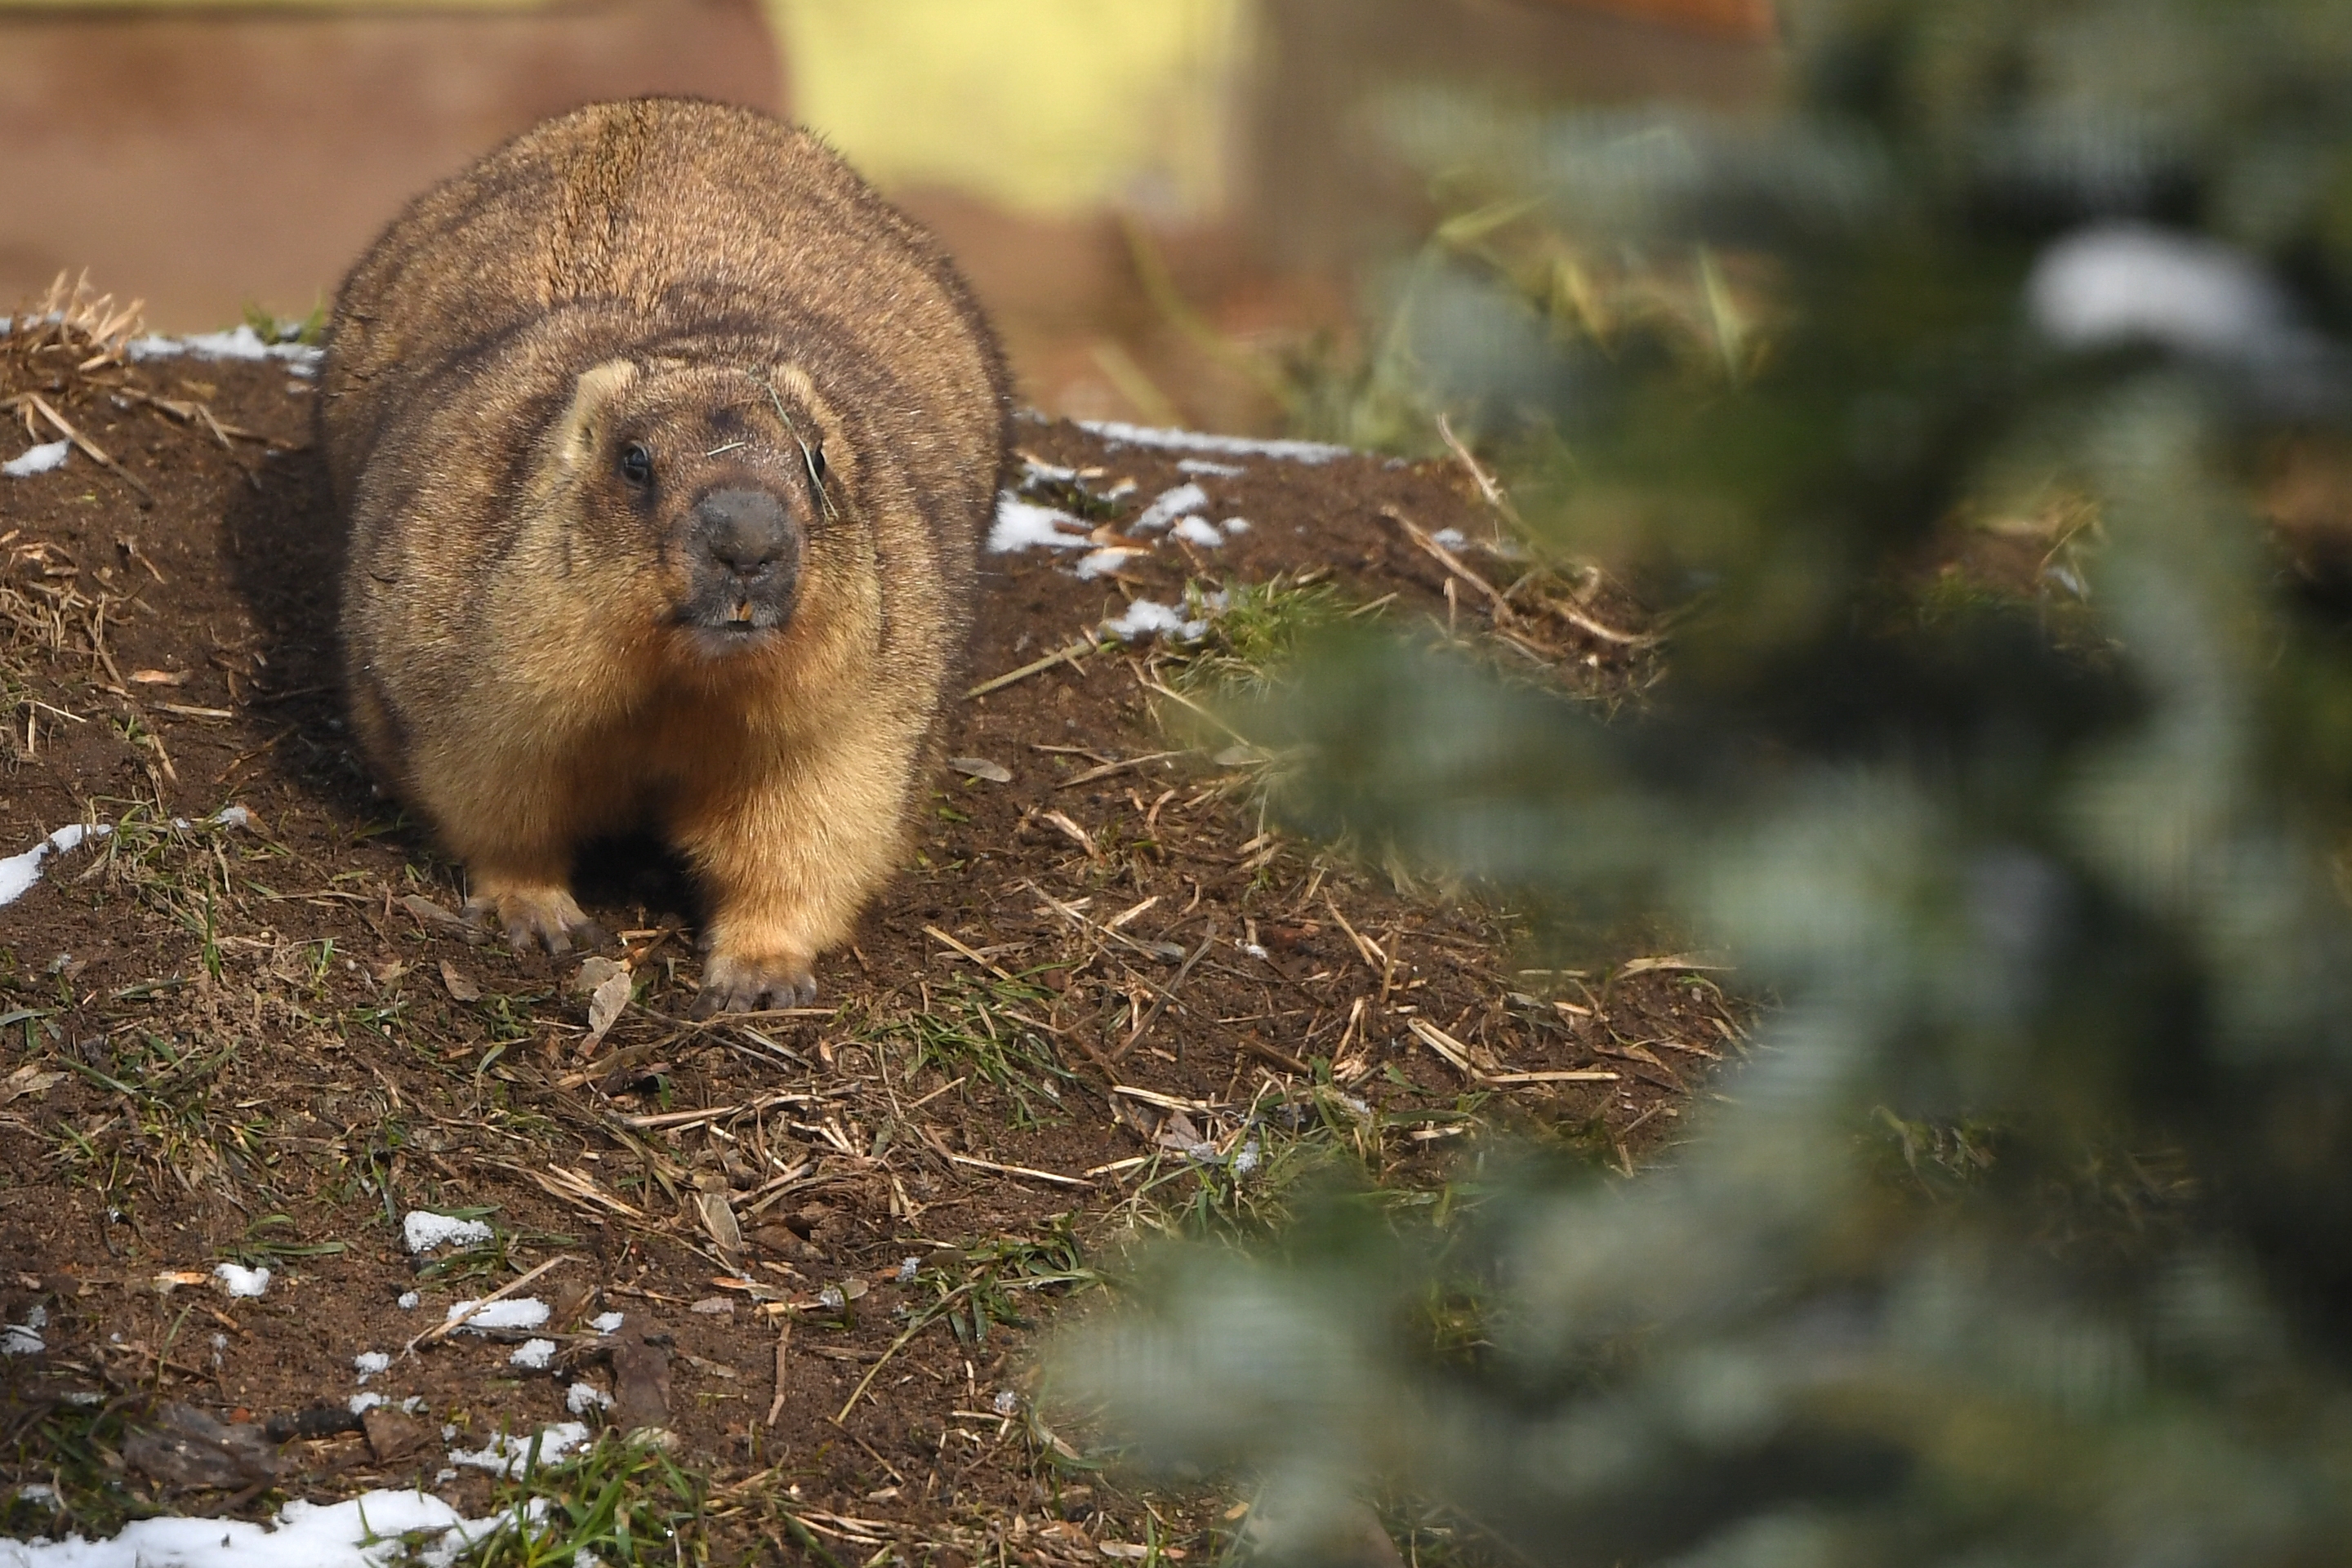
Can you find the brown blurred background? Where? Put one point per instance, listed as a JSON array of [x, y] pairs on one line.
[[1145, 192]]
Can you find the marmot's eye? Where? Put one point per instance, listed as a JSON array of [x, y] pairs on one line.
[[636, 464], [816, 462]]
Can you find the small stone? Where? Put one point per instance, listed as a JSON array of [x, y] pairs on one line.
[[392, 1435]]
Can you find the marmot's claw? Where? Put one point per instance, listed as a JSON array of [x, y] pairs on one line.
[[751, 984], [537, 917]]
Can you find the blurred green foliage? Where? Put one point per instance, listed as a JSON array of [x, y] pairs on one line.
[[2025, 1234]]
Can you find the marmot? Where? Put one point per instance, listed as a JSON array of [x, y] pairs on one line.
[[665, 444]]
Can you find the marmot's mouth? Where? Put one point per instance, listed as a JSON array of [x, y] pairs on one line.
[[727, 613]]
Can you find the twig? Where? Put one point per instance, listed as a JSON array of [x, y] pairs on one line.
[[1070, 654], [1486, 484], [1502, 611], [1056, 1177], [1078, 918], [1169, 995], [1448, 1049], [925, 1321], [1062, 823], [776, 1406], [1374, 958], [1164, 1102], [1151, 685], [448, 1326], [996, 969], [1109, 769], [919, 1104], [1450, 562], [1586, 1075], [677, 1119], [1278, 1056], [895, 1474], [89, 447]]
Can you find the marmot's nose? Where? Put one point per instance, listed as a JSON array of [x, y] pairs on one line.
[[745, 532]]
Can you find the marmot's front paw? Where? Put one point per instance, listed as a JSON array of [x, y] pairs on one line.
[[545, 916], [732, 985]]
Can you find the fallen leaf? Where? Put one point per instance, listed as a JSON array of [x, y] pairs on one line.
[[433, 914], [604, 1008], [159, 676], [461, 989], [28, 1079], [718, 1219], [592, 973], [981, 768]]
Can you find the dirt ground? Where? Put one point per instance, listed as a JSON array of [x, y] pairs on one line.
[[1104, 998]]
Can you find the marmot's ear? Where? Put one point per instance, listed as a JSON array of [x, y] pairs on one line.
[[593, 396]]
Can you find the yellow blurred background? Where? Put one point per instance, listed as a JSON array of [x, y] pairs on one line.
[[215, 158]]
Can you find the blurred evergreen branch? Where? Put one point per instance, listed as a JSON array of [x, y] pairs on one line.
[[2025, 1234]]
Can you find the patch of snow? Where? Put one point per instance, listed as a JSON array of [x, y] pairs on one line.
[[1214, 470], [21, 1339], [1020, 524], [372, 1530], [1171, 504], [1108, 559], [582, 1398], [1199, 530], [37, 459], [363, 1402], [1037, 471], [369, 1362], [408, 1299], [1246, 1158], [2119, 282], [533, 1355], [232, 816], [19, 872], [240, 1282], [606, 1322], [241, 343], [1006, 1402], [1146, 617], [1202, 441], [1452, 538], [1235, 525], [908, 1267], [519, 1312], [425, 1230], [504, 1454]]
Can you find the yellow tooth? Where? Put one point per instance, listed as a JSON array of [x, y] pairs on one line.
[[743, 611]]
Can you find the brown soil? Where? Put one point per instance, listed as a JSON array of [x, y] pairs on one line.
[[219, 1043]]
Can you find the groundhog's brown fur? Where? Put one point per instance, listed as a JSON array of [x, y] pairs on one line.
[[665, 444]]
